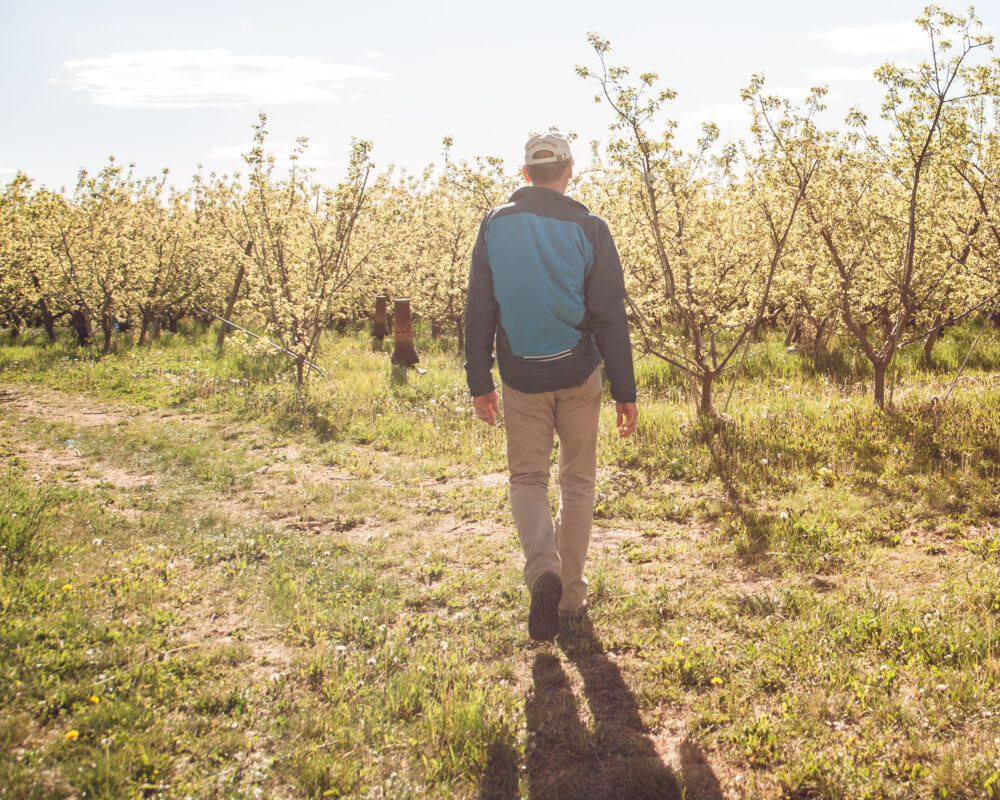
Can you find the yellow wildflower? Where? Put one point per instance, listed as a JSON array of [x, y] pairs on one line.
[[95, 699], [716, 681], [68, 587], [916, 629], [72, 735]]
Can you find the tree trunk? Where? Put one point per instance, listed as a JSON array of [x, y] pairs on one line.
[[231, 304], [147, 317], [108, 329], [300, 371], [879, 368], [380, 327], [460, 330], [931, 339], [823, 334], [435, 330], [47, 320], [705, 401], [792, 335]]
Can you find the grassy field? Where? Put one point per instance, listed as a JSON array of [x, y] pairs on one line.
[[211, 586]]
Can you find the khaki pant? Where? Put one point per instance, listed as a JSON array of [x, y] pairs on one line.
[[530, 420]]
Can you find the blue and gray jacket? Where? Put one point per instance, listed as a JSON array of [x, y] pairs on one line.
[[547, 282]]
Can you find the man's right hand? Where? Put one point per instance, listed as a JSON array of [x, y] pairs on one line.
[[487, 407], [628, 413]]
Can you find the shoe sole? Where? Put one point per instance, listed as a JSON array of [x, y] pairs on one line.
[[543, 616]]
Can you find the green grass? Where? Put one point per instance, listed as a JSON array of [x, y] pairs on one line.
[[211, 585]]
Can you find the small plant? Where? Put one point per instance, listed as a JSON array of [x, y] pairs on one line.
[[24, 514], [757, 741]]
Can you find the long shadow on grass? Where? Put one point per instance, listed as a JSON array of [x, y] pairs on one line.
[[612, 757]]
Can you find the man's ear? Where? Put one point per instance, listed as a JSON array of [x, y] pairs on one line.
[[524, 172]]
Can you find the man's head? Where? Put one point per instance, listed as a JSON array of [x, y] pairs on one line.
[[548, 161]]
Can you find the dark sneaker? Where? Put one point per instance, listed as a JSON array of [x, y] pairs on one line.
[[543, 616]]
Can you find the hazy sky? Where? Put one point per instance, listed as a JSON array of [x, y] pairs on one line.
[[177, 85]]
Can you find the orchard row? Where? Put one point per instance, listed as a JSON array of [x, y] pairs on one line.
[[885, 240]]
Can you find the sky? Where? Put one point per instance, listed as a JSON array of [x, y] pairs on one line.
[[180, 85]]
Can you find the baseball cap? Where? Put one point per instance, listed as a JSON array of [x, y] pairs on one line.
[[555, 143]]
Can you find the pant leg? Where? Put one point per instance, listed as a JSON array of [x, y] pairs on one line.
[[529, 420], [577, 411]]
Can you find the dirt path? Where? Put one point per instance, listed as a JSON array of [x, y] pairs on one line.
[[214, 620]]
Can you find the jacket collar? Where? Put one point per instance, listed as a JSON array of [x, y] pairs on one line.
[[539, 194]]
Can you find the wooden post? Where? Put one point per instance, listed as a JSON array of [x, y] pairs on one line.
[[404, 352], [380, 329]]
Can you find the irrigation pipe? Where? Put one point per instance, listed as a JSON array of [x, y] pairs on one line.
[[966, 360], [261, 338]]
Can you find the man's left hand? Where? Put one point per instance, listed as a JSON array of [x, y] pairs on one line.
[[628, 413], [487, 407]]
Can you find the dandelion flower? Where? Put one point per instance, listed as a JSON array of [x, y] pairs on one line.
[[72, 735], [95, 699], [915, 629], [679, 643], [716, 681], [68, 587]]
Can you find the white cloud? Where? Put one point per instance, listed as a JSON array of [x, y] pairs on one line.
[[834, 74], [724, 112], [896, 37], [195, 78], [373, 55], [866, 73]]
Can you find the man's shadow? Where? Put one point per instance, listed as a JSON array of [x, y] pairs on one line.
[[612, 758]]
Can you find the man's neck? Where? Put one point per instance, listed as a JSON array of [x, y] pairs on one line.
[[555, 187]]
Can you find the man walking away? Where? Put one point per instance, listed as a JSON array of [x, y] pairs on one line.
[[547, 283]]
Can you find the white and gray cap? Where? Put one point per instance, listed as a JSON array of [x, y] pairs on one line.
[[554, 143]]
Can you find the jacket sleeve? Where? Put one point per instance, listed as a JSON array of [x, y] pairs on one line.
[[605, 299], [481, 313]]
